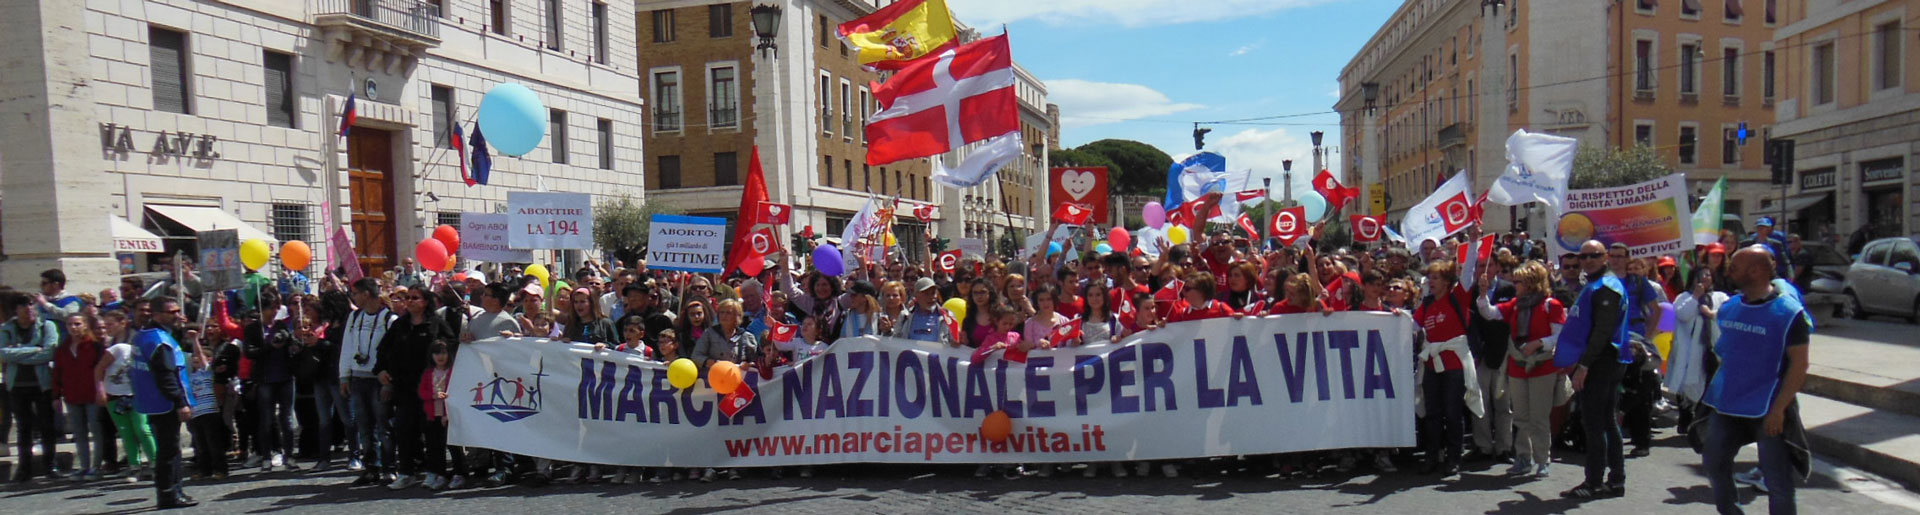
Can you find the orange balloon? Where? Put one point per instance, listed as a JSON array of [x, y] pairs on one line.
[[724, 377], [996, 427], [296, 255]]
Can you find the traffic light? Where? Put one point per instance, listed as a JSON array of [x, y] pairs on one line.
[[1780, 153], [1200, 137]]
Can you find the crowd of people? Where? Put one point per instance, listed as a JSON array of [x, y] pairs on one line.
[[1519, 355]]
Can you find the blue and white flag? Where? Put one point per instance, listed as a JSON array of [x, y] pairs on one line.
[[1197, 175], [1392, 236]]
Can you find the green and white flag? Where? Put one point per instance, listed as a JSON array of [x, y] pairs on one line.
[[1706, 219]]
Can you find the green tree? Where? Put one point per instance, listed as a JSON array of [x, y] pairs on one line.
[[1599, 167], [1077, 157], [621, 225], [1137, 167]]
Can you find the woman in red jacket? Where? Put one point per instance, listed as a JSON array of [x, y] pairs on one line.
[[1535, 318], [1445, 359], [73, 364], [1196, 301]]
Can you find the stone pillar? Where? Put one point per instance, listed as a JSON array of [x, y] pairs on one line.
[[55, 190]]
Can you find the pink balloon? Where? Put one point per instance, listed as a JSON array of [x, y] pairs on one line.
[[1155, 214], [1119, 239]]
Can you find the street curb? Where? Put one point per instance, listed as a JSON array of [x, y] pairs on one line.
[[1894, 468], [1876, 397]]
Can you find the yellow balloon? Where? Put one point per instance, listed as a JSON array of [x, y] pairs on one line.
[[958, 307], [1177, 235], [890, 241], [537, 270], [1664, 342], [254, 253], [682, 373]]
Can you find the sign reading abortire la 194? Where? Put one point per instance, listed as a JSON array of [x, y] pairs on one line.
[[547, 220]]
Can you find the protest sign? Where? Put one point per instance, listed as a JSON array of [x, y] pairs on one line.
[[483, 237], [1085, 186], [548, 220], [1651, 218], [341, 246], [219, 260], [974, 247], [687, 244], [1190, 390]]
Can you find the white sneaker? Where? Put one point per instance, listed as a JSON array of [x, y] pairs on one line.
[[1170, 470], [354, 465], [458, 483], [278, 461], [707, 476], [1141, 469], [619, 478], [1753, 478], [404, 482], [1119, 469]]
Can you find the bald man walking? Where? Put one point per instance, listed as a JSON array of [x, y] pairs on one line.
[[1764, 333], [1594, 344]]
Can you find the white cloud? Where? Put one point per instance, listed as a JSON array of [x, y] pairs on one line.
[[1129, 13], [1086, 103], [1247, 48], [1262, 150]]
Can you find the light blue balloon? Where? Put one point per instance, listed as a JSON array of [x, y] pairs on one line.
[[513, 119], [1053, 247], [1103, 249], [1315, 205]]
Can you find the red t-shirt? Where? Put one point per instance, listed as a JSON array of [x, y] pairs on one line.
[[1285, 308], [1442, 323], [1183, 312], [1539, 326], [1072, 307]]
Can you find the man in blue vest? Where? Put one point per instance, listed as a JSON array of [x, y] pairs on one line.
[[1762, 348], [159, 377], [1594, 344]]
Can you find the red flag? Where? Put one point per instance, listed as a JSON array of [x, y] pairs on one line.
[[737, 401], [782, 333], [1250, 196], [1289, 224], [923, 212], [969, 90], [1171, 292], [1477, 213], [1246, 224], [775, 214], [1366, 228], [1189, 214], [1329, 188], [1064, 335], [948, 261], [751, 196], [1455, 212], [807, 233], [1072, 214]]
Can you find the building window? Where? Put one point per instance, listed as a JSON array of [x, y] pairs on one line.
[[825, 30], [1886, 56], [442, 101], [557, 133], [866, 111], [663, 26], [666, 97], [497, 16], [1688, 140], [172, 87], [1689, 8], [553, 24], [720, 20], [847, 165], [599, 33], [1643, 134], [1689, 57], [291, 222], [448, 218], [1729, 146], [826, 171], [846, 109], [726, 168], [866, 175], [726, 99], [826, 102], [1823, 74], [669, 169], [606, 144], [1766, 140], [1766, 75], [279, 86], [1734, 11], [1645, 5], [1730, 73]]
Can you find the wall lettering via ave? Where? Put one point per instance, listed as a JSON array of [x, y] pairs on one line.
[[118, 139]]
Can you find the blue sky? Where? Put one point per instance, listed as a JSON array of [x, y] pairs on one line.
[[1145, 69]]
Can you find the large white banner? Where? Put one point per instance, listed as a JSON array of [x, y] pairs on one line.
[[549, 220], [687, 243], [1650, 218], [483, 237], [1197, 389]]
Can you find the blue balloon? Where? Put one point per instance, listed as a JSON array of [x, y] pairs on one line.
[[1316, 205], [1103, 249], [513, 119], [1053, 247], [826, 258]]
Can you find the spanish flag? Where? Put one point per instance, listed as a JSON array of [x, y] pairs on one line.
[[894, 35]]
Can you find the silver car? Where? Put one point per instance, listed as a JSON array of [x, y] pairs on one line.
[[1885, 279]]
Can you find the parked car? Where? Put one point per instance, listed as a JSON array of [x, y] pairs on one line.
[[1886, 279], [1824, 284]]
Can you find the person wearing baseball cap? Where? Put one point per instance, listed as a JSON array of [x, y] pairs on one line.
[[926, 320], [1775, 243]]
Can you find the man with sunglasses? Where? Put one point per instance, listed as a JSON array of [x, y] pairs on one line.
[[1594, 343], [159, 379]]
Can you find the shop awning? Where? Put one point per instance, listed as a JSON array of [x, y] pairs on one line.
[[1801, 202], [128, 237], [210, 218]]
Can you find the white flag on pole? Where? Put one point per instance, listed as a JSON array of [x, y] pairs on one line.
[[1537, 170]]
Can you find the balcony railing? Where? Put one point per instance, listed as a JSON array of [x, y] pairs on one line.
[[724, 116], [1451, 136], [666, 120], [414, 18]]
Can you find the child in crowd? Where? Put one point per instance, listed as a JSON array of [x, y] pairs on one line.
[[210, 433], [1098, 324], [1146, 315], [1046, 298], [1003, 337], [433, 396]]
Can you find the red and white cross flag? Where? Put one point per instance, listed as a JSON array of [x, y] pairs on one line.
[[938, 104]]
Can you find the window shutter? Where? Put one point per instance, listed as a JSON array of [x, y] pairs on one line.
[[169, 77]]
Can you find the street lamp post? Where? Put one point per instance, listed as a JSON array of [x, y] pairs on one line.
[[1266, 228], [766, 25], [1286, 179]]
